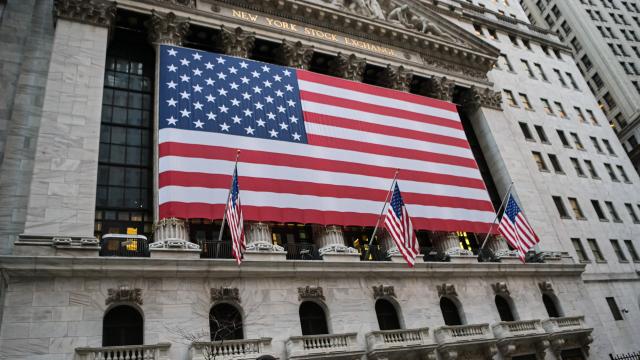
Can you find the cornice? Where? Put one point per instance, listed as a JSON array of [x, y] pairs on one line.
[[67, 266]]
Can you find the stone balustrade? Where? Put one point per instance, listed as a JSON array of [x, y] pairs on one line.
[[457, 333], [131, 352], [335, 346], [475, 341], [507, 329], [231, 349], [392, 344], [560, 324]]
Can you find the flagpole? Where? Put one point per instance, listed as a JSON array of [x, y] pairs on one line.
[[497, 214], [375, 229], [226, 204]]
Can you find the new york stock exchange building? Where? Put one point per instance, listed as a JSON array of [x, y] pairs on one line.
[[119, 125]]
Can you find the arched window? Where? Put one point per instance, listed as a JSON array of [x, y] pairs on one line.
[[504, 309], [313, 319], [387, 315], [122, 325], [450, 312], [551, 306], [225, 323]]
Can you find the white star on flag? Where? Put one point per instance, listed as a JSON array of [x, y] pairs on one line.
[[293, 119], [222, 92], [235, 102], [244, 65], [284, 126], [236, 119], [208, 65], [197, 105], [221, 60], [246, 95], [296, 136], [258, 106], [210, 98], [172, 102], [273, 133], [185, 113], [265, 68], [211, 115], [249, 130], [184, 78], [184, 62], [291, 103], [199, 124], [197, 72], [223, 109], [185, 95], [222, 76], [277, 77], [209, 81], [172, 120], [234, 86], [287, 73], [172, 68], [172, 52], [233, 70], [172, 85], [224, 127], [197, 88], [196, 56], [260, 122], [247, 112]]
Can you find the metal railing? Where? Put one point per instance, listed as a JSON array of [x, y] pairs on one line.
[[216, 250], [629, 356], [302, 251], [124, 245]]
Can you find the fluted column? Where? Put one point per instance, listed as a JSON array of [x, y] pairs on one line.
[[167, 29], [449, 244], [172, 233], [440, 88], [237, 42], [397, 78], [348, 67], [295, 54], [330, 240], [259, 237]]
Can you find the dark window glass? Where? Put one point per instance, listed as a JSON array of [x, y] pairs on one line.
[[613, 306], [225, 323], [387, 315], [550, 305], [504, 309], [312, 319], [122, 325], [450, 312]]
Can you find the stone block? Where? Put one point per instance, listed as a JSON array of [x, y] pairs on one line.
[[175, 253], [341, 257], [250, 255]]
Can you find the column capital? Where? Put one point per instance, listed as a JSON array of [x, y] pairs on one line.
[[440, 88], [295, 54], [167, 29], [237, 42], [475, 98], [330, 239], [397, 78], [259, 238], [348, 67], [172, 233], [92, 12]]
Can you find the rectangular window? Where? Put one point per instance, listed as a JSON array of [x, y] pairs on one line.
[[608, 146], [560, 108], [504, 63], [478, 29], [582, 255], [595, 250], [632, 251], [555, 164], [577, 166], [612, 211], [632, 213], [542, 166], [525, 131], [572, 81], [575, 206], [581, 117], [527, 68], [492, 34], [560, 78], [592, 117], [511, 100], [562, 210], [598, 210], [577, 141], [612, 174], [547, 106], [596, 144], [618, 250], [617, 315], [514, 40], [591, 169], [525, 101], [563, 138], [541, 134], [623, 174], [540, 71]]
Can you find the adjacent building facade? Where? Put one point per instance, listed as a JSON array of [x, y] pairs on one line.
[[89, 271], [603, 36]]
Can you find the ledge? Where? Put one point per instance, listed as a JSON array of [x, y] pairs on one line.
[[227, 268]]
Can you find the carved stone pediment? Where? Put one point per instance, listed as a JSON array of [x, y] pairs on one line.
[[546, 287], [124, 294], [310, 292], [383, 291], [500, 288], [225, 294], [447, 290]]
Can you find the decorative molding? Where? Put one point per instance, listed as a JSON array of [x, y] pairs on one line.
[[440, 88], [500, 288], [383, 291], [237, 42], [124, 294], [92, 12], [447, 290], [310, 292], [397, 78], [336, 248], [167, 29], [546, 287], [348, 67], [475, 98], [187, 3], [225, 294], [450, 66], [295, 54]]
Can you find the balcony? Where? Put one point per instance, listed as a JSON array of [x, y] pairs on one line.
[[130, 352], [474, 340], [333, 346], [516, 337], [400, 344], [231, 349], [377, 252], [568, 332], [124, 245], [302, 251], [216, 250]]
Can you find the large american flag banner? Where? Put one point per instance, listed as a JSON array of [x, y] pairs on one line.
[[400, 227], [315, 149], [516, 230]]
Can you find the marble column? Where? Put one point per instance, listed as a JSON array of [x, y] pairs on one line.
[[237, 42], [498, 246], [258, 237], [296, 55], [397, 78], [172, 233], [62, 195], [348, 67], [449, 243], [330, 240]]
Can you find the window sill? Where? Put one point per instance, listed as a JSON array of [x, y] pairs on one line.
[[584, 261], [581, 218], [617, 221], [601, 261], [544, 170], [567, 146], [623, 261], [560, 172], [604, 220], [596, 178], [529, 109], [628, 182], [565, 217], [582, 176], [545, 142]]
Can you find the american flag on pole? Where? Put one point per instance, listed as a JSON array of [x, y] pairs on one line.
[[516, 230], [315, 149], [234, 218], [399, 225]]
